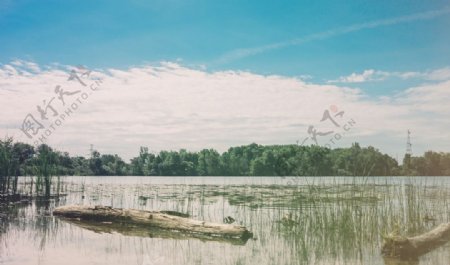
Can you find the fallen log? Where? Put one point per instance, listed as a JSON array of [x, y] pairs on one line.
[[147, 232], [152, 220], [413, 247]]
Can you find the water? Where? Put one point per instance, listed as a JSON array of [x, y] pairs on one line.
[[334, 220]]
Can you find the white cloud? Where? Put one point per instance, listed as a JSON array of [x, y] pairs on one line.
[[366, 75], [19, 67], [370, 75], [439, 74], [170, 106]]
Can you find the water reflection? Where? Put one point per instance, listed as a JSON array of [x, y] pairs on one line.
[[319, 221], [148, 232]]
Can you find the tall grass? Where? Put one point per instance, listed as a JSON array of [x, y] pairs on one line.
[[8, 168], [45, 169]]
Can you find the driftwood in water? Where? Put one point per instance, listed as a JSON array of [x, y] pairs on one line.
[[413, 247], [148, 232], [151, 220]]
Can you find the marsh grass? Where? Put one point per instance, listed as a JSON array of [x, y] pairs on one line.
[[333, 220], [349, 220], [9, 165]]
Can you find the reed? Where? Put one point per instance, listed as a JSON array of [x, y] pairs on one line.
[[45, 169], [8, 168]]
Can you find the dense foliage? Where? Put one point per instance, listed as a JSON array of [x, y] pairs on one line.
[[251, 160], [18, 159]]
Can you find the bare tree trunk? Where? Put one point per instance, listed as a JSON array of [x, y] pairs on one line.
[[153, 219], [413, 247]]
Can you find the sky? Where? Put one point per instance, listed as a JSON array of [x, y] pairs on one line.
[[214, 74]]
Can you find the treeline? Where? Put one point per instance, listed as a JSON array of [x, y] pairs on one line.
[[430, 164], [18, 159]]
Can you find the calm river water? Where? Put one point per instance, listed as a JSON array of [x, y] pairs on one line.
[[334, 220]]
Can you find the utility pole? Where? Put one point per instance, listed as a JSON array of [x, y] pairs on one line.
[[408, 154], [91, 151], [408, 144]]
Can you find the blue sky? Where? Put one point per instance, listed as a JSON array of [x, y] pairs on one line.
[[126, 33], [365, 56]]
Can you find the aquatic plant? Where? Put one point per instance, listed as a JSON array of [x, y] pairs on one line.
[[45, 169]]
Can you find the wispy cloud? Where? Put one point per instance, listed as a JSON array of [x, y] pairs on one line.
[[371, 75], [366, 75], [246, 52]]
